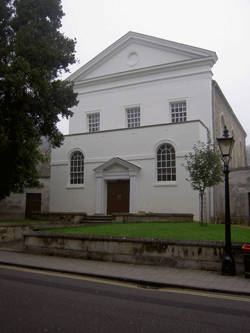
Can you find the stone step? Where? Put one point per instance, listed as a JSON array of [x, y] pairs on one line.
[[97, 219]]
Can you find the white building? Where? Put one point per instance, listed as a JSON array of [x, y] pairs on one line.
[[143, 104]]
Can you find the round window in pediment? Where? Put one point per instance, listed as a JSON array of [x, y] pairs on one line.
[[133, 58]]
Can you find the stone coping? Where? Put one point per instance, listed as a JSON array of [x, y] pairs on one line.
[[35, 224], [153, 214], [13, 224], [60, 213], [203, 243]]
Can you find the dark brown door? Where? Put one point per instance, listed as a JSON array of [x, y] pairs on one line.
[[33, 203], [118, 196]]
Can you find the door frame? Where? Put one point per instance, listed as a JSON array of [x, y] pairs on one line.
[[116, 169]]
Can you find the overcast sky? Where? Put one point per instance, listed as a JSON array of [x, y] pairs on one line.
[[222, 26]]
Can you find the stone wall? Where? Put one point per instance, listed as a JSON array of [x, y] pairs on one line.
[[224, 115], [14, 232], [13, 207], [239, 188], [205, 255], [151, 217], [66, 217]]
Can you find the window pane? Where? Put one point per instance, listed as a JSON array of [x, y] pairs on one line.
[[133, 117], [178, 112], [166, 170], [94, 122], [77, 168]]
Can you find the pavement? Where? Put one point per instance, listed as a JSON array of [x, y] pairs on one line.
[[11, 254]]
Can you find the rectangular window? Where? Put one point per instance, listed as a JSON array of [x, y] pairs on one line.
[[133, 117], [94, 122], [178, 112]]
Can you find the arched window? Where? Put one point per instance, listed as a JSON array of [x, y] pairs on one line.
[[77, 168], [166, 164]]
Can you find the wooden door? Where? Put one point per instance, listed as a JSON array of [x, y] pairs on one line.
[[33, 203], [118, 196]]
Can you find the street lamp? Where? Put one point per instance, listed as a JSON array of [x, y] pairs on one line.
[[226, 143]]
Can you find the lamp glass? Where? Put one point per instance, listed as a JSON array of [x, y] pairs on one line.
[[225, 146]]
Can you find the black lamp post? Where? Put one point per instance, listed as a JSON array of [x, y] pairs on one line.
[[226, 143]]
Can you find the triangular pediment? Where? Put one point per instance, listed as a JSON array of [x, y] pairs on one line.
[[116, 164], [135, 51]]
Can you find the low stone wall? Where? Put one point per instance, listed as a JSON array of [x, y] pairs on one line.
[[13, 232], [62, 217], [151, 217], [119, 218], [10, 232], [206, 255]]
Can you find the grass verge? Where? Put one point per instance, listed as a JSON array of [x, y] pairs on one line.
[[192, 231]]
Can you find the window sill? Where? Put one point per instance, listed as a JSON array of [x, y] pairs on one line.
[[166, 183], [74, 186]]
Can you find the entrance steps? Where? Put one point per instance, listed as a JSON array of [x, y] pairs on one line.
[[100, 219]]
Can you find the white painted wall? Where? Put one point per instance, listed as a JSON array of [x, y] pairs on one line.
[[137, 146], [143, 71], [153, 98]]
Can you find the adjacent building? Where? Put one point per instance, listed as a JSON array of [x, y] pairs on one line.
[[20, 206]]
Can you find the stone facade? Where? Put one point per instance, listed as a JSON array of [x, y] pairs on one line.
[[239, 183], [224, 115], [44, 168], [248, 155], [240, 173]]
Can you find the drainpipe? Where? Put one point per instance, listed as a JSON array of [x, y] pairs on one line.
[[209, 190], [214, 129]]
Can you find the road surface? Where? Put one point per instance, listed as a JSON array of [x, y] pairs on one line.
[[35, 301]]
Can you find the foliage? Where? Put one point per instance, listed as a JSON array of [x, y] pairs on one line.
[[180, 230], [205, 169], [33, 55]]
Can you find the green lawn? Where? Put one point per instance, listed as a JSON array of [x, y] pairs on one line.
[[189, 230]]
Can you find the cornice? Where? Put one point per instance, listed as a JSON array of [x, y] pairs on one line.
[[184, 123]]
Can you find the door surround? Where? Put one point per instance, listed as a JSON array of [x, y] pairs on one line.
[[116, 169]]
